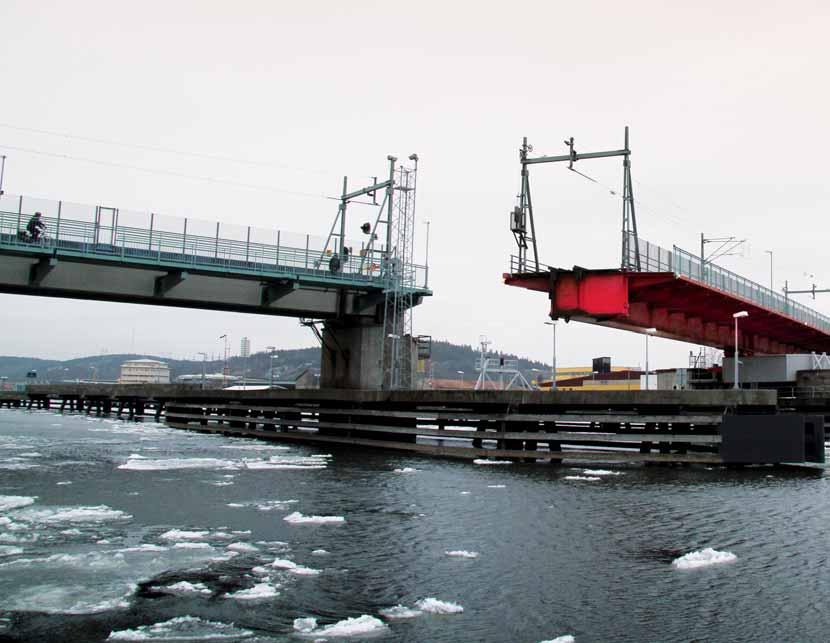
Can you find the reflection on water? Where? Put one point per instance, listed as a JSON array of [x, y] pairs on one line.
[[140, 532]]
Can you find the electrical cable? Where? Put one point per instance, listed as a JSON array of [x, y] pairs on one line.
[[181, 175], [164, 150]]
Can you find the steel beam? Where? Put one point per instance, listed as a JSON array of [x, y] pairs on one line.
[[166, 283], [38, 271]]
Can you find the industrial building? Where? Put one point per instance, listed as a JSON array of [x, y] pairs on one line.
[[144, 371]]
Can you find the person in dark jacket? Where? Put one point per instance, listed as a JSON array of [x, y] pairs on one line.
[[36, 226]]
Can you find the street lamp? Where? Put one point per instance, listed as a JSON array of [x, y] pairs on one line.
[[461, 373], [271, 349], [553, 363], [426, 260], [204, 359], [769, 252], [737, 316], [649, 331]]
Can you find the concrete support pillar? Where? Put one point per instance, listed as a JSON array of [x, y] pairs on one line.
[[351, 355]]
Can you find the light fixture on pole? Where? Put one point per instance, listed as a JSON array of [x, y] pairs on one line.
[[204, 359], [649, 331], [553, 363], [271, 350], [737, 316], [769, 252], [461, 373]]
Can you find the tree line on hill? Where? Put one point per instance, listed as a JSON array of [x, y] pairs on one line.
[[447, 360]]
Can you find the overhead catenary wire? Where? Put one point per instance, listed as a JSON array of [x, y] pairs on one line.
[[166, 150], [173, 173]]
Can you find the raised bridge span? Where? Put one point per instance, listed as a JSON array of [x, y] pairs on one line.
[[682, 298]]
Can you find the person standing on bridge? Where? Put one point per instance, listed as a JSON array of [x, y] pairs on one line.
[[36, 226]]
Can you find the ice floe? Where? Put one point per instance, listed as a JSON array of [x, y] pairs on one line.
[[182, 534], [63, 483], [71, 599], [704, 558], [256, 446], [297, 518], [496, 486], [76, 515], [9, 550], [483, 461], [8, 503], [242, 547], [192, 546], [406, 470], [583, 478], [364, 625], [265, 505], [294, 568], [435, 606], [461, 553], [399, 611], [601, 472], [181, 628], [185, 587], [566, 638], [147, 464], [257, 592], [319, 552]]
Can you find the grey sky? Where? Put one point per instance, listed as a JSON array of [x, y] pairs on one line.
[[727, 103]]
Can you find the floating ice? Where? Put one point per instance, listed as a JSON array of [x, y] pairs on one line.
[[254, 446], [15, 502], [319, 552], [81, 515], [181, 534], [601, 472], [146, 547], [258, 591], [294, 568], [566, 638], [242, 547], [399, 611], [146, 464], [482, 461], [704, 558], [465, 493], [435, 606], [8, 550], [184, 587], [583, 478], [496, 486], [461, 553], [406, 470], [191, 546], [63, 483], [305, 625], [220, 483], [31, 454], [71, 599], [181, 628], [358, 626], [297, 518]]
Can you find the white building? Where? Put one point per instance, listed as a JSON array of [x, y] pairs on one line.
[[245, 347], [144, 371]]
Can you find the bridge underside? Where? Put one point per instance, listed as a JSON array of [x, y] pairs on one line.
[[50, 275], [678, 307]]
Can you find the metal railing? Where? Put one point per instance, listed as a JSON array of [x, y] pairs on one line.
[[111, 233], [653, 258]]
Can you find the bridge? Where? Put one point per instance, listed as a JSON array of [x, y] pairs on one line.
[[674, 294], [109, 254]]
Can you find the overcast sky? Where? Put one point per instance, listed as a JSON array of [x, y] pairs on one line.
[[727, 102]]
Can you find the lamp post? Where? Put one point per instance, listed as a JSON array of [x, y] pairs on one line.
[[426, 260], [271, 350], [225, 367], [737, 316], [204, 359], [649, 331], [769, 252], [461, 374], [552, 324]]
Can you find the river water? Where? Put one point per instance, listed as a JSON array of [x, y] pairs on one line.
[[112, 530]]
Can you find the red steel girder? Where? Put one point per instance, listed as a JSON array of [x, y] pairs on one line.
[[678, 307]]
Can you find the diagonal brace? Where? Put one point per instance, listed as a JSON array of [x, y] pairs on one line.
[[39, 270], [273, 291], [167, 282]]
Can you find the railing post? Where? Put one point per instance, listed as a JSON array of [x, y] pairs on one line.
[[150, 240], [306, 251], [216, 249], [58, 224], [184, 238], [277, 257], [248, 245], [19, 214]]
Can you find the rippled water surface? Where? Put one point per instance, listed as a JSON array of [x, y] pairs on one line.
[[123, 531]]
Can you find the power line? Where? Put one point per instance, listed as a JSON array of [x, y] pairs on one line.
[[164, 150], [181, 175]]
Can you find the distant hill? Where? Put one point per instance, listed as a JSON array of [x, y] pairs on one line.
[[447, 360]]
